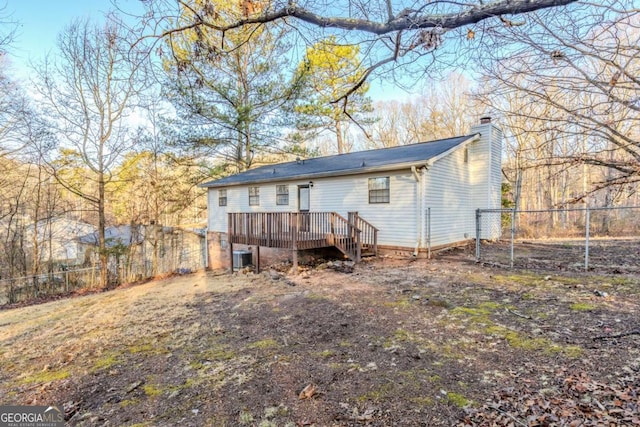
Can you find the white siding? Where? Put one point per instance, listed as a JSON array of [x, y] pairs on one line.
[[216, 214], [448, 194], [395, 220], [455, 189], [496, 169], [238, 201], [487, 176]]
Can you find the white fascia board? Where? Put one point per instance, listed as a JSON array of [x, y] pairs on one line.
[[463, 144]]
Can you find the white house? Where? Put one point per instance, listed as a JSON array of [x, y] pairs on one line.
[[58, 240], [410, 197]]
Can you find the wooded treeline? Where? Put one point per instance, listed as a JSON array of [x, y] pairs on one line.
[[129, 114]]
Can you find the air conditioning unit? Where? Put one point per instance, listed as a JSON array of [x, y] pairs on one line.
[[241, 259]]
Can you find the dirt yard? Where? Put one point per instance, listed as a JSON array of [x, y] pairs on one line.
[[606, 255], [392, 342]]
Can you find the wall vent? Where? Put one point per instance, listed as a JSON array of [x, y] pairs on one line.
[[241, 259]]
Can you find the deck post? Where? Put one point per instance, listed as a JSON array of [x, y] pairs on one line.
[[293, 224], [332, 215], [230, 230], [257, 266], [375, 242]]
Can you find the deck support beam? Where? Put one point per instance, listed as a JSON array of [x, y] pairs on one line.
[[257, 266]]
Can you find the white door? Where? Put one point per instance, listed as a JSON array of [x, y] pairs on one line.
[[303, 198], [303, 208]]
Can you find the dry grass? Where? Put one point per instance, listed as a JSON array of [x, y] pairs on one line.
[[75, 336], [395, 340]]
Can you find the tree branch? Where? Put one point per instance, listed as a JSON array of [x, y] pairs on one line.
[[410, 20], [621, 335]]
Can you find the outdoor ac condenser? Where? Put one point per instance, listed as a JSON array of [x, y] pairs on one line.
[[241, 259]]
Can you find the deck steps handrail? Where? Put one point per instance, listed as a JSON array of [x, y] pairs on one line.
[[368, 232], [347, 238]]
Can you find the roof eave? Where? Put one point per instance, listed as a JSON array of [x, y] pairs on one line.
[[328, 174]]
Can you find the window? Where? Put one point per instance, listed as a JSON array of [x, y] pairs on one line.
[[222, 197], [282, 194], [466, 154], [379, 190], [254, 196]]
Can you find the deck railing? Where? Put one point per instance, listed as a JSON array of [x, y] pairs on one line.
[[302, 230], [368, 233]]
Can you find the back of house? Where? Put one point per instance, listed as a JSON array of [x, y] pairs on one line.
[[415, 197]]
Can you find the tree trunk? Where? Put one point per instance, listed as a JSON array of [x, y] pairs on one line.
[[35, 262], [102, 241]]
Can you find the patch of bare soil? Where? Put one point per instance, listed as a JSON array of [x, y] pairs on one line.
[[391, 342], [605, 255]]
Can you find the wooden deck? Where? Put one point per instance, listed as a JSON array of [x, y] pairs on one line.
[[303, 230]]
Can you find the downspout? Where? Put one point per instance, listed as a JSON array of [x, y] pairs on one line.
[[206, 247], [416, 176]]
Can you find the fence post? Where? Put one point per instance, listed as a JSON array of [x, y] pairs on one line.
[[230, 230], [513, 235], [587, 227], [478, 235]]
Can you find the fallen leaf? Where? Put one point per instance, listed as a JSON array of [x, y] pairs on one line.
[[308, 392]]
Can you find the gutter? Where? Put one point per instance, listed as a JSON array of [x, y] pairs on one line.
[[324, 174]]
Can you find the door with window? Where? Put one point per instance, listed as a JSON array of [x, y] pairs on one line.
[[303, 207]]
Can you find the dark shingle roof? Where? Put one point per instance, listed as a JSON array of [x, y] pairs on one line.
[[343, 164]]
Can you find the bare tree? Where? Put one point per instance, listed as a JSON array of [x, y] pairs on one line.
[[89, 92], [25, 197], [575, 78], [13, 191], [7, 28], [15, 113], [168, 181], [439, 111], [390, 33]]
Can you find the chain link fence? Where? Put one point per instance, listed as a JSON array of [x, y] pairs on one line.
[[182, 262], [21, 289], [589, 239], [67, 280]]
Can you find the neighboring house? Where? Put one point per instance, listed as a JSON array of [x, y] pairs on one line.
[[404, 199], [170, 248], [58, 240], [119, 235]]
